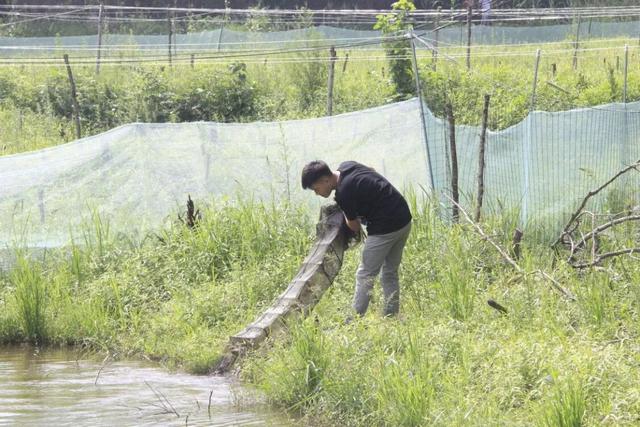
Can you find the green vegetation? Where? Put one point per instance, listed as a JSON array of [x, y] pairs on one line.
[[450, 359], [36, 108]]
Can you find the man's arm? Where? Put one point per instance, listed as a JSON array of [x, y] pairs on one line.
[[353, 224]]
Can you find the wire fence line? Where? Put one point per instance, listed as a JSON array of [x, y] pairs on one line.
[[136, 176], [227, 41]]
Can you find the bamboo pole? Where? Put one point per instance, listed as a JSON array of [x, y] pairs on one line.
[[481, 160], [454, 162], [74, 97], [100, 25], [332, 67], [422, 119]]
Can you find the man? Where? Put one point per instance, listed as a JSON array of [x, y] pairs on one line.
[[368, 199]]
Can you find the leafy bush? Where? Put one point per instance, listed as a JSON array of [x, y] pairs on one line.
[[222, 97]]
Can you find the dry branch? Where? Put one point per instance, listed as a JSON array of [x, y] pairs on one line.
[[510, 260], [599, 258], [589, 195]]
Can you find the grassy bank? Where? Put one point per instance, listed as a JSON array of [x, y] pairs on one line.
[[449, 359], [175, 297]]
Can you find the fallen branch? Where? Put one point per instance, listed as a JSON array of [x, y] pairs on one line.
[[603, 227], [597, 260], [510, 260], [104, 363], [589, 195]]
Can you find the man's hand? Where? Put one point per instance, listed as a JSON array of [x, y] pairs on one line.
[[353, 224]]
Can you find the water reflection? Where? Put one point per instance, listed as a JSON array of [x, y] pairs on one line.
[[53, 387]]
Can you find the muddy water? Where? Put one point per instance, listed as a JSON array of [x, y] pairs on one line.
[[53, 388]]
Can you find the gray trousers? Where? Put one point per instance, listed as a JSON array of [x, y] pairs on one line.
[[381, 251]]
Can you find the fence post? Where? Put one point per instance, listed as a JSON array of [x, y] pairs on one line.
[[535, 80], [436, 38], [192, 59], [100, 23], [469, 11], [220, 36], [626, 71], [170, 29], [454, 161], [332, 67], [346, 59], [575, 46], [74, 98], [481, 162], [175, 37], [422, 119]]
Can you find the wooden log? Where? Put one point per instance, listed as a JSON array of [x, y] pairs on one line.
[[315, 276]]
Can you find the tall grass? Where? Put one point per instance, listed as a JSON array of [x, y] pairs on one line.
[[30, 299], [449, 359], [566, 407]]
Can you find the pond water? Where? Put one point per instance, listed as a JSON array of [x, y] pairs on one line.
[[55, 387]]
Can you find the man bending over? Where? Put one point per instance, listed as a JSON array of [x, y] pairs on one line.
[[367, 199]]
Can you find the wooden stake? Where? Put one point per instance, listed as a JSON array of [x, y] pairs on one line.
[[332, 65], [174, 42], [74, 97], [515, 243], [535, 81], [626, 72], [481, 164], [100, 24], [454, 161], [193, 57], [346, 59], [170, 30], [553, 69], [469, 11], [220, 36], [575, 46], [435, 39]]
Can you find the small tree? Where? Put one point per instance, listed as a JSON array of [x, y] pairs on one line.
[[398, 51]]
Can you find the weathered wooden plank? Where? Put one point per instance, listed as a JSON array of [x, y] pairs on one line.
[[313, 278]]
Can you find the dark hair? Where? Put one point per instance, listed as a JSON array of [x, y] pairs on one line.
[[313, 171]]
